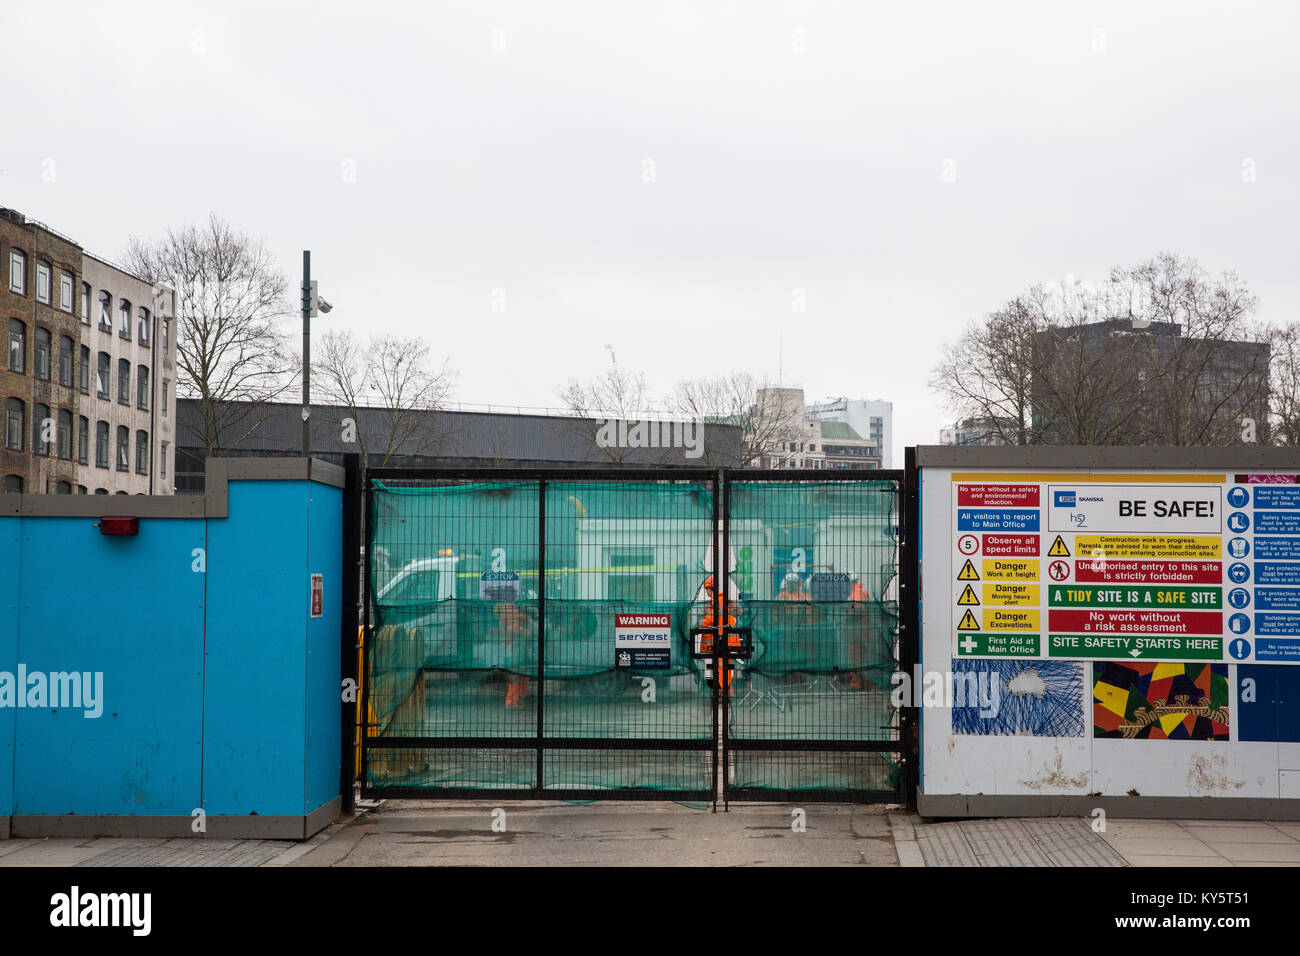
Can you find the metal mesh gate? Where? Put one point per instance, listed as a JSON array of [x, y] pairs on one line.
[[531, 635], [813, 564]]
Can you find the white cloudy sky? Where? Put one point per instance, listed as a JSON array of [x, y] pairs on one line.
[[795, 146]]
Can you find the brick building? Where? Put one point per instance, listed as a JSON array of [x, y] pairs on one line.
[[40, 274], [89, 373]]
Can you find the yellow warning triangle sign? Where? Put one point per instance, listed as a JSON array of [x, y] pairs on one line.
[[968, 623], [1058, 549], [968, 596], [968, 572]]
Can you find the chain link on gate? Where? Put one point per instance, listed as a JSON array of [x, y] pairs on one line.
[[681, 635]]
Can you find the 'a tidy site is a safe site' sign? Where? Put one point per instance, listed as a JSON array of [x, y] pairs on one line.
[[1176, 566]]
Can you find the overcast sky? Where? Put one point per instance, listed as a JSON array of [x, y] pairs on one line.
[[673, 179]]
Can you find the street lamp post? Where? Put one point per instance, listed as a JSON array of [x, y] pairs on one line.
[[312, 303], [306, 353]]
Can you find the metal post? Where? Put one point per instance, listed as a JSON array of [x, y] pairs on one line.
[[720, 643], [363, 717], [909, 638], [350, 591], [306, 353], [541, 629]]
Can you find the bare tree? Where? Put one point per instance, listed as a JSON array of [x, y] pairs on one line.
[[230, 297], [1205, 362], [616, 394], [389, 389], [746, 428], [988, 374], [1160, 353], [1285, 385]]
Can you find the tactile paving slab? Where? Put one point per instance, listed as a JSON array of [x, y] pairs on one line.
[[1042, 842], [192, 853]]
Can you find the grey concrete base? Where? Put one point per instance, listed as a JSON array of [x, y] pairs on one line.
[[938, 806], [4, 828], [247, 827]]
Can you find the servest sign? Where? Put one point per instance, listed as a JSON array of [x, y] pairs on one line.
[[1163, 566], [643, 641]]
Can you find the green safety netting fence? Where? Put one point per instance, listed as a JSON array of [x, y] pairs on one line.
[[455, 581]]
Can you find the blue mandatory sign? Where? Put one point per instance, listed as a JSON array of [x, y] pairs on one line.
[[1238, 573], [1238, 497], [1239, 648], [1238, 522], [1239, 547], [1238, 597], [1239, 623]]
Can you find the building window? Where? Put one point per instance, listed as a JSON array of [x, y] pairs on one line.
[[123, 448], [105, 310], [85, 303], [41, 366], [85, 370], [101, 491], [81, 489], [18, 271], [15, 426], [146, 323], [66, 287], [167, 333], [42, 282], [141, 453], [101, 445], [40, 418], [64, 436], [13, 484], [83, 441], [162, 461], [102, 373], [124, 319], [17, 346], [166, 383], [65, 361], [63, 488], [142, 388], [124, 381]]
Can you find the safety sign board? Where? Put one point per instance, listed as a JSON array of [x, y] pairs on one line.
[[643, 641], [498, 586], [1157, 565]]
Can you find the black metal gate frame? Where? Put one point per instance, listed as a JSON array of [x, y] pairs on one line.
[[719, 742], [907, 654], [541, 743]]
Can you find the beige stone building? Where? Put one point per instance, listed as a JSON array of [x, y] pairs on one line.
[[128, 342]]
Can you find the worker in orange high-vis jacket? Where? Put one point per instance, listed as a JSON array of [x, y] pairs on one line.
[[513, 624], [712, 617], [792, 589], [857, 627]]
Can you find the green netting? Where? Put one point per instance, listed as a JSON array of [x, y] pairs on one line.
[[454, 651], [799, 550], [456, 589]]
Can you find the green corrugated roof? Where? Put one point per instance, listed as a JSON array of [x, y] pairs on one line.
[[839, 430]]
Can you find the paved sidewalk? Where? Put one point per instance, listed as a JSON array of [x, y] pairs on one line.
[[417, 833]]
